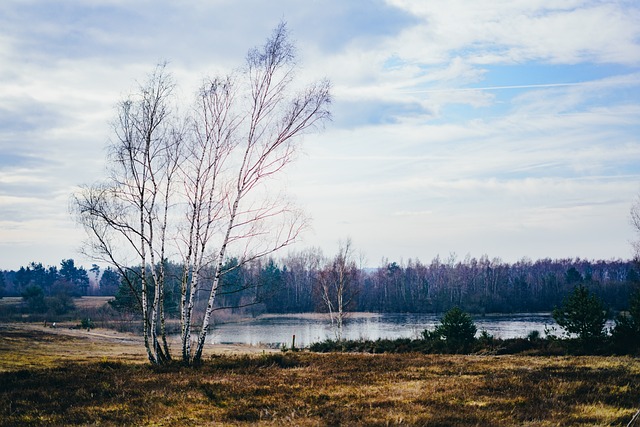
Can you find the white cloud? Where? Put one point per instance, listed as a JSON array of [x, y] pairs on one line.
[[430, 151], [498, 31]]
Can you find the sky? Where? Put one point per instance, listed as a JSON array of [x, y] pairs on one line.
[[502, 128]]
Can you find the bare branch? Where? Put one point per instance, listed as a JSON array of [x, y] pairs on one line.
[[197, 186]]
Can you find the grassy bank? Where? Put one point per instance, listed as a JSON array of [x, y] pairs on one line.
[[109, 386]]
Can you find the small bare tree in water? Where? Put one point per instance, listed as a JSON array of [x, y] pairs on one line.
[[337, 286], [197, 186]]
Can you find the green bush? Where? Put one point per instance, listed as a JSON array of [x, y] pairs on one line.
[[87, 324], [455, 333], [59, 304], [33, 296]]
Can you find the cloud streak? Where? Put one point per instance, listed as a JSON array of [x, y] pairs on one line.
[[523, 86]]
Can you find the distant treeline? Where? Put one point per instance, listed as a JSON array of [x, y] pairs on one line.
[[294, 284], [46, 289], [69, 279], [476, 285]]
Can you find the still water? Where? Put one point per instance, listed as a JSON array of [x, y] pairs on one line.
[[275, 330]]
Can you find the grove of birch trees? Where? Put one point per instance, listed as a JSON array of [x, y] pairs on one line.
[[194, 186]]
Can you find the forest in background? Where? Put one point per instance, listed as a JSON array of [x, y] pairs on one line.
[[303, 281]]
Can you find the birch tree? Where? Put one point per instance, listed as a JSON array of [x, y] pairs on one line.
[[126, 217], [197, 186], [337, 282]]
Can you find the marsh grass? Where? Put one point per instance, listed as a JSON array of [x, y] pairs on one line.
[[99, 384]]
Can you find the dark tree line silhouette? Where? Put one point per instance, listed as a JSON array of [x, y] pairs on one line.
[[475, 285], [294, 284], [46, 289]]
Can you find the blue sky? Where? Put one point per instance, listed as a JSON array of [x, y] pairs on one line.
[[502, 128]]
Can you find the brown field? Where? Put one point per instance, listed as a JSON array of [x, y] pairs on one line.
[[91, 302], [83, 302], [73, 377]]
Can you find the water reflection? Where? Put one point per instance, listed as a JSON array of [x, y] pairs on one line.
[[308, 328]]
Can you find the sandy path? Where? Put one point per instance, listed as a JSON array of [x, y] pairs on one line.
[[96, 334]]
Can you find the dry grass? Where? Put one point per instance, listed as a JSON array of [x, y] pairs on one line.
[[26, 346], [91, 302], [83, 302], [98, 384]]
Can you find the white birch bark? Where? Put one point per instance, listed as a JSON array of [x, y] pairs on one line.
[[337, 286], [200, 189], [265, 135], [127, 216]]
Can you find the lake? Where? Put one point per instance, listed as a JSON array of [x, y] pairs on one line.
[[275, 330]]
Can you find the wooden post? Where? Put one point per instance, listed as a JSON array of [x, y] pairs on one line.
[[293, 343]]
